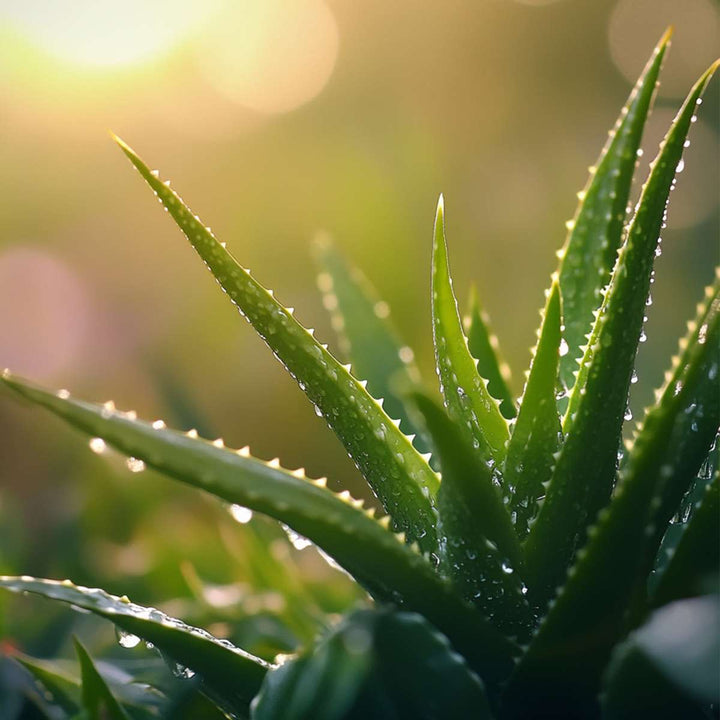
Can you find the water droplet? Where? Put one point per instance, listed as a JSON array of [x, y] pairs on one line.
[[507, 569], [628, 414], [643, 336], [241, 514], [97, 445], [134, 465], [680, 166], [126, 639], [634, 378], [564, 347], [381, 309], [158, 425], [298, 541]]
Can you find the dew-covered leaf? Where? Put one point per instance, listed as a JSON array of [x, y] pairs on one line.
[[98, 701], [670, 667], [228, 673], [394, 469], [697, 556], [481, 552], [465, 393], [485, 348], [367, 337], [585, 470], [536, 434], [377, 664], [386, 566], [595, 233], [564, 662]]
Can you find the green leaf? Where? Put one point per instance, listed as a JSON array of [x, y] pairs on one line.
[[376, 664], [97, 699], [670, 667], [697, 555], [536, 434], [64, 690], [367, 336], [394, 469], [226, 671], [481, 550], [379, 560], [464, 391], [594, 236], [563, 665], [485, 348], [583, 476]]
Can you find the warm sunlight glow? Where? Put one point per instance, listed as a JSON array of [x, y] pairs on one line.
[[271, 55], [102, 33]]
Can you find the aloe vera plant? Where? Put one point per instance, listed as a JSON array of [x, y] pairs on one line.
[[531, 576]]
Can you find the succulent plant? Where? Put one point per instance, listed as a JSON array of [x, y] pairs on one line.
[[525, 569]]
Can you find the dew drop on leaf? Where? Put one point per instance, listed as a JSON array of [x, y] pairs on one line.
[[126, 639]]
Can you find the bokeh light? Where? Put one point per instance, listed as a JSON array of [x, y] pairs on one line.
[[271, 55], [636, 25], [44, 310], [102, 32]]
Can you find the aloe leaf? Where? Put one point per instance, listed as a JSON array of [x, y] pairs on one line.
[[367, 336], [375, 664], [401, 478], [669, 668], [583, 476], [697, 555], [481, 552], [563, 665], [485, 348], [58, 688], [465, 393], [226, 671], [536, 434], [379, 560], [594, 236], [98, 701]]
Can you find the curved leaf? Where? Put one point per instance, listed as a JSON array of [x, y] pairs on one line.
[[378, 559], [585, 471], [536, 434], [590, 249], [564, 662], [481, 552], [367, 336], [376, 664], [670, 667], [464, 391], [228, 673], [98, 702], [485, 348], [697, 555], [394, 469]]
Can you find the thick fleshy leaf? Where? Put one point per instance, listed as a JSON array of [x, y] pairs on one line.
[[378, 559], [97, 699], [485, 348], [228, 673], [481, 552], [366, 334], [563, 665], [400, 477], [594, 236], [376, 664], [670, 667], [465, 393], [536, 434], [697, 556], [585, 471]]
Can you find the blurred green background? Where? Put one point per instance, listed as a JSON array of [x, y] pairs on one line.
[[276, 120]]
